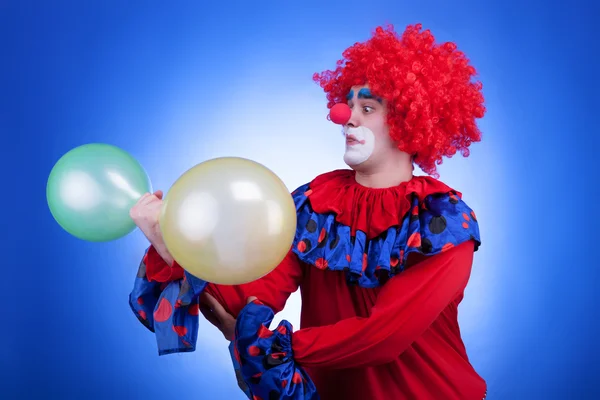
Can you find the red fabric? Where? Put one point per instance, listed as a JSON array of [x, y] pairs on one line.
[[400, 341], [158, 270], [370, 210], [395, 320], [273, 289]]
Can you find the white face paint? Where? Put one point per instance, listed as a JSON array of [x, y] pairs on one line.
[[360, 143]]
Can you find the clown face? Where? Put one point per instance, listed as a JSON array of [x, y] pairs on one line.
[[360, 143], [366, 132]]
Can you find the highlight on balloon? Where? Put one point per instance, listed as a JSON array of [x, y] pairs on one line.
[[91, 189]]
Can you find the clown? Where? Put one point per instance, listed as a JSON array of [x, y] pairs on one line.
[[382, 258]]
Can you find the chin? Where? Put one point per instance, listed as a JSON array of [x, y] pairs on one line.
[[355, 156], [353, 163]]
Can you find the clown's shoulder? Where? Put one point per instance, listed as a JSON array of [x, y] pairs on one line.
[[433, 196], [441, 208]]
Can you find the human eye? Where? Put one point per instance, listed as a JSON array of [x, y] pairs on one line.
[[368, 109]]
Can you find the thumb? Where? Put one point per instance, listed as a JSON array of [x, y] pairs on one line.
[[159, 194]]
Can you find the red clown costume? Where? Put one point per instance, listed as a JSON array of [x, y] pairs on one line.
[[381, 271]]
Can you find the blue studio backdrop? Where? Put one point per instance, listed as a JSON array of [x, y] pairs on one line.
[[177, 85]]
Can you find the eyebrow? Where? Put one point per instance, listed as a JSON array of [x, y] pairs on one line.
[[365, 93]]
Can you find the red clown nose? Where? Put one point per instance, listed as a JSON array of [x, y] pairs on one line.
[[340, 114]]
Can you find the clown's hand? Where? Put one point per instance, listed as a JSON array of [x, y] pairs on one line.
[[265, 357], [216, 314]]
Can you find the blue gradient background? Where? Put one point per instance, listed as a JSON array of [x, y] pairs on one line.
[[178, 85]]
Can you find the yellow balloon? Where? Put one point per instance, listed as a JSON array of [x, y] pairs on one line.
[[228, 220]]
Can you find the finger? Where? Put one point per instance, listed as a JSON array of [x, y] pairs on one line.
[[208, 299], [143, 198], [134, 211], [217, 308], [210, 317], [159, 194], [146, 199]]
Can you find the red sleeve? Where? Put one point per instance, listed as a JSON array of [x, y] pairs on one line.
[[407, 305], [158, 270], [273, 289]]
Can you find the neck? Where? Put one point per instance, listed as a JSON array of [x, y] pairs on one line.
[[389, 174]]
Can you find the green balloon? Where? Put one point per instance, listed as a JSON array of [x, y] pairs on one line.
[[91, 189]]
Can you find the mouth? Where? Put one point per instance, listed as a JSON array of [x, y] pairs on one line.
[[351, 140]]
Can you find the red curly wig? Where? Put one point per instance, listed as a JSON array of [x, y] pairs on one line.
[[432, 102]]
